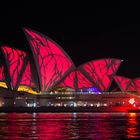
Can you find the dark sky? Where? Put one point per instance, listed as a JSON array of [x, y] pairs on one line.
[[86, 31]]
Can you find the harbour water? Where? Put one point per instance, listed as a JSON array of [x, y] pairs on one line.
[[69, 126]]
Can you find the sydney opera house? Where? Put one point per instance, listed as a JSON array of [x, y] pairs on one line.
[[48, 77]]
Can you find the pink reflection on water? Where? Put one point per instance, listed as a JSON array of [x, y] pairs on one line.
[[63, 126], [132, 123]]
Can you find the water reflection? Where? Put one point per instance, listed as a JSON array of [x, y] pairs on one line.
[[62, 126], [132, 129]]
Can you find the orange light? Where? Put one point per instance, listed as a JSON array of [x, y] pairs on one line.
[[132, 101], [133, 115]]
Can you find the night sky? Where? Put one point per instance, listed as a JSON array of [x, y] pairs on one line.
[[86, 31]]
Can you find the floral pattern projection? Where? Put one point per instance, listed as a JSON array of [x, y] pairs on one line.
[[51, 61], [126, 84], [135, 85], [2, 77], [101, 71], [27, 77], [53, 67], [122, 82], [14, 60], [76, 80]]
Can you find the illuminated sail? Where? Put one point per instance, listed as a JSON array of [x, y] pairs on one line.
[[2, 77], [14, 60], [101, 72], [122, 82], [27, 77], [51, 61], [76, 80], [135, 85]]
